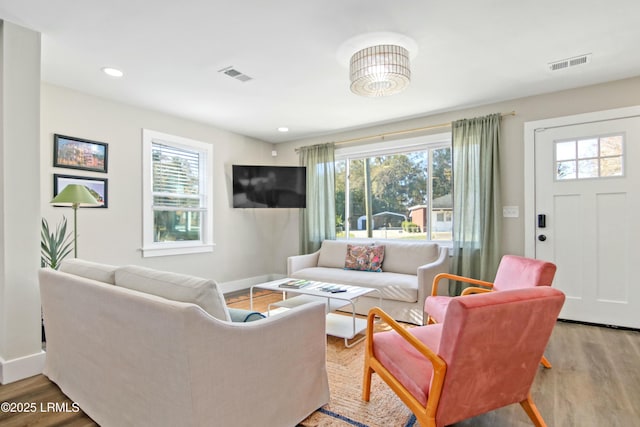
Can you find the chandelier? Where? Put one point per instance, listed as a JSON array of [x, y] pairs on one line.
[[379, 70]]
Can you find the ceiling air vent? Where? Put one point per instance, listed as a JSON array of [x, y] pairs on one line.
[[570, 62], [232, 72]]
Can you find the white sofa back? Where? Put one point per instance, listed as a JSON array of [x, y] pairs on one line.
[[129, 358], [177, 287], [105, 273], [399, 256], [205, 293]]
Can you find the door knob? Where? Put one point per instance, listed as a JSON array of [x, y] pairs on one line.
[[542, 237]]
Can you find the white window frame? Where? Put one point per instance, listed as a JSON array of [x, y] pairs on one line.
[[205, 150], [399, 146]]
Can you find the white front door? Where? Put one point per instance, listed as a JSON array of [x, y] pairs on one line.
[[586, 215]]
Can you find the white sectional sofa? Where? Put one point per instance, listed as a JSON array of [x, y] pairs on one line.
[[131, 358], [408, 269]]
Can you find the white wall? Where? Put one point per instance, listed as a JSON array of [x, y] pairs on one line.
[[621, 93], [244, 238], [20, 345], [255, 242]]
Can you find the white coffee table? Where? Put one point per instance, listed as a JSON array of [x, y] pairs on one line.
[[338, 325]]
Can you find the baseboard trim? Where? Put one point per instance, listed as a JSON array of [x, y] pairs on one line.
[[600, 325], [22, 367], [242, 284]]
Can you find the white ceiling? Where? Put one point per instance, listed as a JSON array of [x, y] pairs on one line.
[[469, 52]]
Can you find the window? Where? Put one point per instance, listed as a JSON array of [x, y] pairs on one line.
[[594, 157], [177, 185], [404, 187]]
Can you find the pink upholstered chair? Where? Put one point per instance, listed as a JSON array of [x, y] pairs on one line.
[[514, 272], [483, 356]]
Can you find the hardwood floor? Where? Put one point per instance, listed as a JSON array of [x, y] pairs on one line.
[[32, 398], [594, 382]]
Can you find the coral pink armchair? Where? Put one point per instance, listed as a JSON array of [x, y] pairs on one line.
[[483, 356], [514, 272]]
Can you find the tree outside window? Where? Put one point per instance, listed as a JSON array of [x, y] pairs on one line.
[[403, 195]]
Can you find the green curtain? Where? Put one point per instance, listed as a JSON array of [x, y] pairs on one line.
[[477, 219], [318, 220]]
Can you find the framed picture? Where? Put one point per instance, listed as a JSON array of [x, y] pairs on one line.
[[76, 153], [96, 186]]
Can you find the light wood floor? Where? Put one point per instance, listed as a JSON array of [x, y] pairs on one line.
[[594, 382]]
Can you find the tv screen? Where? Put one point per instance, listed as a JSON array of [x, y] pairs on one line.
[[269, 186]]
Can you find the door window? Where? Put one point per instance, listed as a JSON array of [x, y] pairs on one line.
[[594, 157]]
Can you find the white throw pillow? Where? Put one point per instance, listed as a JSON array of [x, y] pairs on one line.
[[90, 270], [176, 287]]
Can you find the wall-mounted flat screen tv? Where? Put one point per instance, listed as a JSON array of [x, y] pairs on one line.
[[269, 186]]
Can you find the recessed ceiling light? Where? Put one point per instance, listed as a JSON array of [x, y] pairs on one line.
[[283, 129], [113, 72]]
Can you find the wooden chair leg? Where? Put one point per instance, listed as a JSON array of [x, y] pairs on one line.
[[366, 382], [545, 362], [532, 411]]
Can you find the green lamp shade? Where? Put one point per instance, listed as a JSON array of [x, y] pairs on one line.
[[75, 194]]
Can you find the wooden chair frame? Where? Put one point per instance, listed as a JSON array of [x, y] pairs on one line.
[[425, 414], [469, 291]]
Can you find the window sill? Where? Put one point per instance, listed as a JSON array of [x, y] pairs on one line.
[[175, 250]]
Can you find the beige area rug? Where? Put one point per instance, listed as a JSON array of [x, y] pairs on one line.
[[346, 407], [344, 367]]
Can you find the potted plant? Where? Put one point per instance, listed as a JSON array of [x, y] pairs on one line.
[[54, 245]]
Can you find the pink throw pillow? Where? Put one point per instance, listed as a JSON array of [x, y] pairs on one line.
[[364, 258]]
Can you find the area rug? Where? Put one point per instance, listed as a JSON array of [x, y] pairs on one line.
[[346, 407], [344, 368]]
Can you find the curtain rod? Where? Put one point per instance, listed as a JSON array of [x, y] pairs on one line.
[[402, 132]]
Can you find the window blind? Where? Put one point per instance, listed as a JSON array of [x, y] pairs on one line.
[[176, 177]]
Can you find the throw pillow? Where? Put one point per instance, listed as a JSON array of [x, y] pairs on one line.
[[242, 315], [364, 258]]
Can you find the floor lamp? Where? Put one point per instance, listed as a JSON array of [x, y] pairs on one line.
[[75, 195]]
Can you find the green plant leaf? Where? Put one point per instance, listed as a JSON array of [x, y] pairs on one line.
[[54, 246]]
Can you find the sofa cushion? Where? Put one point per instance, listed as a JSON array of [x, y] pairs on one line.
[[406, 257], [89, 270], [176, 287], [394, 286], [364, 258], [332, 253]]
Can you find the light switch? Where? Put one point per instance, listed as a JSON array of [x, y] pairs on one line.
[[510, 211]]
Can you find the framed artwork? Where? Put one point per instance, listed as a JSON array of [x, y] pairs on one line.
[[96, 186], [75, 153]]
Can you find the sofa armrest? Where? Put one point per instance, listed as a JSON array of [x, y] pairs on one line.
[[235, 366], [298, 262], [428, 272]]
